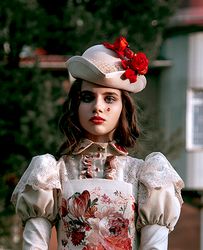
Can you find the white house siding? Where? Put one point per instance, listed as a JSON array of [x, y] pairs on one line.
[[195, 63]]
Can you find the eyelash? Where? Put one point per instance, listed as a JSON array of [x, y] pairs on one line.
[[110, 99], [89, 98], [86, 98]]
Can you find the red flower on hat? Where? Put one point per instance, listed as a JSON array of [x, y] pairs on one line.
[[131, 75], [134, 64], [118, 46], [139, 63]]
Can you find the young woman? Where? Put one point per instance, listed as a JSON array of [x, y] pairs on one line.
[[97, 196]]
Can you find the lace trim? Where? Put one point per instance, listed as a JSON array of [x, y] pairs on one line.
[[132, 166], [42, 173], [178, 186], [157, 173]]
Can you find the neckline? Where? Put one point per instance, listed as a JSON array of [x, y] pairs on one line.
[[86, 143]]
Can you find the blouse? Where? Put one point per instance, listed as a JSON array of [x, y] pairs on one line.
[[99, 198]]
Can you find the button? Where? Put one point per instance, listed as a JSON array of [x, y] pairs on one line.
[[100, 149]]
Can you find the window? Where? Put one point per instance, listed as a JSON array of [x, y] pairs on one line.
[[195, 119]]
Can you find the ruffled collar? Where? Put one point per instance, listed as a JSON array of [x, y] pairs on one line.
[[86, 143]]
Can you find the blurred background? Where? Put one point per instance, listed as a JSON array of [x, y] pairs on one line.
[[38, 36]]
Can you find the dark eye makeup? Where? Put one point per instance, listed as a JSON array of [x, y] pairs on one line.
[[110, 99], [88, 96]]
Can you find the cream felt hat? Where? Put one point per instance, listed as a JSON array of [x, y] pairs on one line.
[[103, 66]]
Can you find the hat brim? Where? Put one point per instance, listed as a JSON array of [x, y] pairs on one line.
[[80, 67]]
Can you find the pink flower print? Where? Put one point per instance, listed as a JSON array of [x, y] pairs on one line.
[[110, 229], [119, 243], [118, 225], [92, 247], [105, 199]]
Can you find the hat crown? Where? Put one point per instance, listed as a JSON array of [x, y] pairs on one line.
[[105, 59]]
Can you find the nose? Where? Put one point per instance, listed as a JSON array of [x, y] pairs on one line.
[[98, 105]]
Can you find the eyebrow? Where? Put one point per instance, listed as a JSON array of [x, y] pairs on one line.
[[105, 93], [110, 93]]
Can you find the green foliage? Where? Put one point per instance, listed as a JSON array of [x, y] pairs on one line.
[[30, 106], [141, 22], [68, 26]]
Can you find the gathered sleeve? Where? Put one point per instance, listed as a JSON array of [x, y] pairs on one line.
[[159, 195], [36, 194]]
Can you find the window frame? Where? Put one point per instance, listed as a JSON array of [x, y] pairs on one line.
[[191, 103]]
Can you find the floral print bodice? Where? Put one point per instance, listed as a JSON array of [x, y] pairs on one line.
[[100, 217], [100, 211]]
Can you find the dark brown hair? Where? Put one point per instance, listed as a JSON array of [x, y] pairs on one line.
[[125, 134]]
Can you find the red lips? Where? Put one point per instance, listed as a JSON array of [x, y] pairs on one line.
[[97, 119]]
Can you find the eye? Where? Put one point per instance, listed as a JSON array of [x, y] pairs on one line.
[[110, 99], [86, 97]]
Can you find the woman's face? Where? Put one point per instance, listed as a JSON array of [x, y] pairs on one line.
[[99, 111]]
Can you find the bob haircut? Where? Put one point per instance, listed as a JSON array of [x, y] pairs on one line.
[[125, 134]]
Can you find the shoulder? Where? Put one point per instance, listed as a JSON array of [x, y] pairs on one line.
[[157, 171], [42, 173], [42, 166], [131, 168], [44, 159], [130, 161], [43, 162]]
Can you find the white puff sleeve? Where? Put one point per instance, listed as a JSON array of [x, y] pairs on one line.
[[35, 193], [159, 195], [36, 200]]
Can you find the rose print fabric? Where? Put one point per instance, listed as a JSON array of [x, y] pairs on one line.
[[102, 217]]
